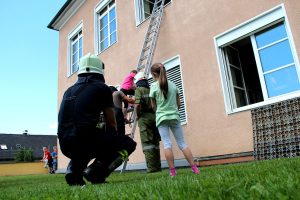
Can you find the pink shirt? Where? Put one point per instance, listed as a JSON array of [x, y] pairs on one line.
[[128, 81]]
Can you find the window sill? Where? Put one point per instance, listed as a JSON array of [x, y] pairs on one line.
[[70, 75], [264, 103], [100, 52]]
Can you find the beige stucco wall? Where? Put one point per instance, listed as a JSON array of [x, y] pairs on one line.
[[187, 30]]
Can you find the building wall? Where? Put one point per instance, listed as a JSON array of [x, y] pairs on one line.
[[187, 30]]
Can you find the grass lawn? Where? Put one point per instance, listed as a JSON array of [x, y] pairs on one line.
[[274, 179]]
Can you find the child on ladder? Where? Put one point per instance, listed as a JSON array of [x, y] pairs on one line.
[[165, 101], [128, 88], [118, 98]]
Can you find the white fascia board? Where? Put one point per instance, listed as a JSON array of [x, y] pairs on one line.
[[67, 14], [250, 25]]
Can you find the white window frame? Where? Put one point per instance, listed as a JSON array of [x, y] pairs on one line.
[[100, 6], [139, 11], [71, 35], [170, 64], [247, 29]]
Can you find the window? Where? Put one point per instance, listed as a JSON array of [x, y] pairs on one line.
[[258, 62], [75, 49], [174, 74], [106, 24], [143, 9], [3, 146], [18, 146]]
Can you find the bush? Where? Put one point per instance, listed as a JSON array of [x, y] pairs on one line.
[[24, 155]]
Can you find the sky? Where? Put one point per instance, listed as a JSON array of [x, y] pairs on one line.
[[28, 67]]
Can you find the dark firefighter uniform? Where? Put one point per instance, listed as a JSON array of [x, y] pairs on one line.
[[80, 137]]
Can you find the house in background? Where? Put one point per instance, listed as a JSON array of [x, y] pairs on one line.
[[235, 62], [11, 143]]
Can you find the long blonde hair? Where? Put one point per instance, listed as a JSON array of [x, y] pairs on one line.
[[158, 71]]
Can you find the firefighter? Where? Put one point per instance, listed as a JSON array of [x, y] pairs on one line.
[[80, 136], [146, 121]]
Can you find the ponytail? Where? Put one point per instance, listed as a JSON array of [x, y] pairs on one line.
[[159, 72]]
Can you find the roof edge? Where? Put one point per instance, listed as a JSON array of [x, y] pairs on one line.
[[58, 14], [64, 14]]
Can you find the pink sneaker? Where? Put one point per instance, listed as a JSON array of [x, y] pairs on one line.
[[172, 172], [195, 169]]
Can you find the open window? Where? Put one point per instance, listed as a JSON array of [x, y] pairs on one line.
[[258, 66], [143, 9]]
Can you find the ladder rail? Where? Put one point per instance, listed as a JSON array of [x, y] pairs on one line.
[[150, 37], [155, 17], [149, 61]]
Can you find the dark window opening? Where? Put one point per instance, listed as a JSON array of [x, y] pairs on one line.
[[243, 69], [148, 6]]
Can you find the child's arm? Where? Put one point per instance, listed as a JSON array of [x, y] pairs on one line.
[[178, 101], [153, 104], [127, 99]]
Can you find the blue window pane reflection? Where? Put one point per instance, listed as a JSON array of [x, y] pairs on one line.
[[112, 26], [80, 42], [282, 81], [270, 36], [80, 48], [75, 47], [75, 57], [103, 21], [80, 53], [276, 56], [112, 14], [113, 37], [103, 33], [104, 44], [75, 67], [107, 27]]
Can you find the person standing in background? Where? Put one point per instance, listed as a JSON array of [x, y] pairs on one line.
[[47, 159], [54, 158]]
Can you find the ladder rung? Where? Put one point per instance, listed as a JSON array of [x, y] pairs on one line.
[[146, 48], [158, 1], [152, 31], [144, 57], [155, 15], [158, 8], [152, 28], [153, 23], [141, 67], [149, 39]]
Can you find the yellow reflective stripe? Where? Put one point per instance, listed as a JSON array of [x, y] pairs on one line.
[[123, 154]]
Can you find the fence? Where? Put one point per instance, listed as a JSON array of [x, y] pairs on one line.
[[276, 130]]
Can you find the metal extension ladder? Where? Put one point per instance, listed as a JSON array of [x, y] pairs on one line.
[[146, 55]]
